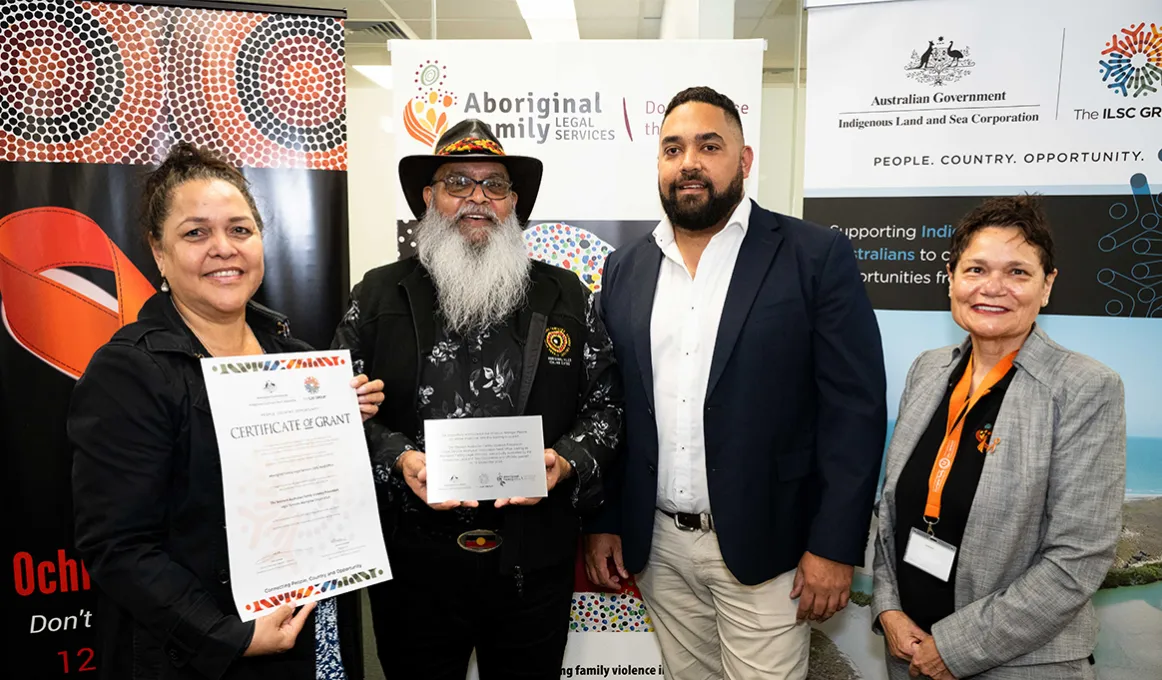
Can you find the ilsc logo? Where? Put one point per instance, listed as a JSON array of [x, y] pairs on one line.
[[426, 114], [1133, 62]]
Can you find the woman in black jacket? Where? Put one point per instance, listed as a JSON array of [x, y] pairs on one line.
[[147, 485]]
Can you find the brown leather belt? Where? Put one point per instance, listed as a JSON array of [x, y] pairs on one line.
[[688, 521]]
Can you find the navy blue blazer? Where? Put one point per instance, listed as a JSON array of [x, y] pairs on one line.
[[795, 413]]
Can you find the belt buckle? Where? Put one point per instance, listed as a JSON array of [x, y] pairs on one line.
[[479, 541], [705, 522]]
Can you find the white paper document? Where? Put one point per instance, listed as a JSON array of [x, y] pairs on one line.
[[476, 459], [302, 522]]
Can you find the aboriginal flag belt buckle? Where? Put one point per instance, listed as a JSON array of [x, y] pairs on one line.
[[479, 540]]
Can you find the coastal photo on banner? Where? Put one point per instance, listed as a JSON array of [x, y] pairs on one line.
[[92, 95], [916, 111], [591, 111]]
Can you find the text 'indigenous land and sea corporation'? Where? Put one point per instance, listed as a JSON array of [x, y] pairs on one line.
[[940, 115], [987, 115]]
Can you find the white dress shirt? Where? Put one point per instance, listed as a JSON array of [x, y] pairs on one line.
[[683, 329]]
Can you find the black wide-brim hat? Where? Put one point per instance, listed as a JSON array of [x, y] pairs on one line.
[[467, 141]]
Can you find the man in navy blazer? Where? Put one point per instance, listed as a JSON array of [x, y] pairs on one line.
[[755, 413]]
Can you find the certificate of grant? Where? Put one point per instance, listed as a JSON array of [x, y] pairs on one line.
[[476, 459], [302, 523]]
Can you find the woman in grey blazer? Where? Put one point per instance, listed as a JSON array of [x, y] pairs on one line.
[[1005, 477]]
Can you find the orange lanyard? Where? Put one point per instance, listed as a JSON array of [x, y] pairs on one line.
[[958, 407]]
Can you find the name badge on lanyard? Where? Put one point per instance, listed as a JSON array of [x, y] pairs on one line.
[[924, 551], [930, 554]]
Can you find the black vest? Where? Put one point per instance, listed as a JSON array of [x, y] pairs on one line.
[[397, 328]]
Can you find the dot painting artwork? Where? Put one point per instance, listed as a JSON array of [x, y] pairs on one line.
[[84, 82], [623, 612], [569, 247]]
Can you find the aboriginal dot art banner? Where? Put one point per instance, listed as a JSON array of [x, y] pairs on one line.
[[113, 83], [92, 97]]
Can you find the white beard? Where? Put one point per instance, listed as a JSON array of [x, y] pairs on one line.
[[477, 284]]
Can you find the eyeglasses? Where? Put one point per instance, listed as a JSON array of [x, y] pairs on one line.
[[463, 187]]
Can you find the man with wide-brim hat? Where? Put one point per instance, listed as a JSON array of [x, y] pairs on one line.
[[470, 327], [470, 141]]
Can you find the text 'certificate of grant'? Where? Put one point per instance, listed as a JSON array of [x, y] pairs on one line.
[[302, 523], [476, 459]]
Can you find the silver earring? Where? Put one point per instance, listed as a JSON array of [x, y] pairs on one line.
[[164, 285]]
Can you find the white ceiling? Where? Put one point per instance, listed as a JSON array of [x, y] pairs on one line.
[[774, 20]]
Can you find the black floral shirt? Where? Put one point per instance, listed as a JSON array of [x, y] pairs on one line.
[[478, 375], [469, 377]]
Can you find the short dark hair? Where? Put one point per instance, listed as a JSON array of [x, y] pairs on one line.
[[705, 95], [1024, 213], [186, 163]]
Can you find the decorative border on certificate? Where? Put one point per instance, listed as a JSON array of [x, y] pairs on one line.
[[334, 583]]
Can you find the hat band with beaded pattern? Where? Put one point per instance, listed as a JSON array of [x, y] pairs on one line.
[[470, 145]]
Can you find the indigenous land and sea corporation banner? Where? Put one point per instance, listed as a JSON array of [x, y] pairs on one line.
[[916, 110], [591, 111], [949, 101]]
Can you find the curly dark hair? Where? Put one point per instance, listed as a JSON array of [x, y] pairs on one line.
[[1024, 213]]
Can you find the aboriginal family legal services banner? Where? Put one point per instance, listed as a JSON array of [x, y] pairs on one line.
[[918, 109], [591, 111], [92, 95]]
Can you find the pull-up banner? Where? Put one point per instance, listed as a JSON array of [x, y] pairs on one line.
[[91, 96], [917, 111]]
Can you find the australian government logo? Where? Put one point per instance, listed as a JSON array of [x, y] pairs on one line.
[[940, 63]]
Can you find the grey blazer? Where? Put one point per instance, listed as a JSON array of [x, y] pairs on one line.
[[1047, 513]]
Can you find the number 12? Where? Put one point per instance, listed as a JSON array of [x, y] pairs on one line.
[[85, 665]]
